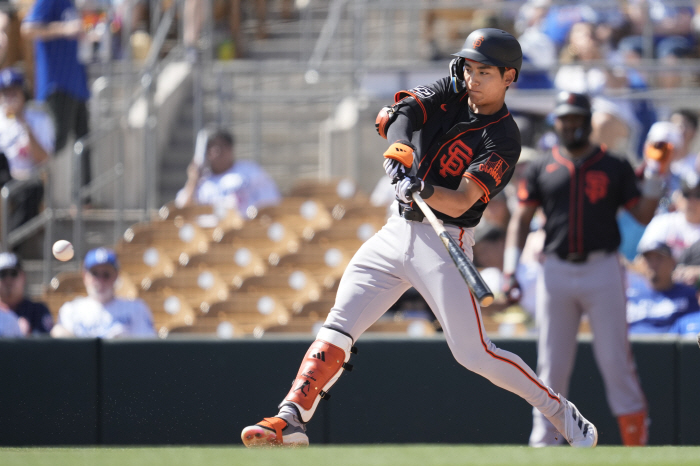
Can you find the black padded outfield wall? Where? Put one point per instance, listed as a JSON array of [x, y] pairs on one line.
[[48, 392], [153, 392]]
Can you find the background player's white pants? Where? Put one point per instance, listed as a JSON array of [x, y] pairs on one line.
[[566, 291], [405, 254]]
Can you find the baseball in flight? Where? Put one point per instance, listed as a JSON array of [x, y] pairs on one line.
[[63, 250]]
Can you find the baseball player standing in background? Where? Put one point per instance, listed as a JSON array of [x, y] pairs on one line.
[[455, 142], [580, 188]]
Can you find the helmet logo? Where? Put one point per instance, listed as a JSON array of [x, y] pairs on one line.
[[478, 41], [571, 99]]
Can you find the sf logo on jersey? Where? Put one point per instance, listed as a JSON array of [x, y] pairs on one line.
[[458, 157], [596, 185]]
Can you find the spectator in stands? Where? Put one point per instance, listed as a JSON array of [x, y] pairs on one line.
[[6, 14], [27, 140], [687, 325], [688, 269], [9, 323], [679, 229], [55, 26], [615, 122], [223, 181], [654, 305], [101, 314], [661, 143], [34, 317], [686, 159]]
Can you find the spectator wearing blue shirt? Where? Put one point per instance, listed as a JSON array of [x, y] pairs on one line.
[[34, 317], [60, 79], [655, 307]]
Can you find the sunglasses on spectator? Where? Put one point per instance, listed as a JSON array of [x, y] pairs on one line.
[[9, 273], [102, 275]]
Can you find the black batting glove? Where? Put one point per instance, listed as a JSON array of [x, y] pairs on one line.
[[411, 184], [511, 289]]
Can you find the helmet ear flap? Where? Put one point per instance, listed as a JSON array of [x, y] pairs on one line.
[[457, 75]]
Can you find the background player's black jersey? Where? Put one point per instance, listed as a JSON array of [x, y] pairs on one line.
[[580, 200], [453, 142]]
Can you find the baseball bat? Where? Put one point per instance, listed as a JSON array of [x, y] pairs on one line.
[[466, 267]]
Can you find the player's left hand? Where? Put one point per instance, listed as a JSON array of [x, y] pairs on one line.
[[409, 185], [395, 169]]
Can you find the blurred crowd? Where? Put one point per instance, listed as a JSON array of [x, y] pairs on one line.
[[606, 50]]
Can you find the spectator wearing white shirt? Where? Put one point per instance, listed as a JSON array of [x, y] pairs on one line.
[[223, 181], [101, 314], [678, 229], [27, 139]]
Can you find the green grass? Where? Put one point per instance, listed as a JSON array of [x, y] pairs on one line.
[[356, 455]]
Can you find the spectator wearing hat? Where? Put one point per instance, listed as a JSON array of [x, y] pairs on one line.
[[34, 317], [101, 314], [679, 229], [27, 139], [654, 304]]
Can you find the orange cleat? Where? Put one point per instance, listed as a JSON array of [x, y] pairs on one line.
[[274, 432]]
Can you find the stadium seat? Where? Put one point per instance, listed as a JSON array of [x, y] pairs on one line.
[[314, 310], [307, 327], [200, 287], [167, 236], [349, 234], [328, 192], [250, 311], [325, 264], [205, 216], [353, 210], [301, 215], [293, 288], [406, 327], [233, 264], [169, 311], [143, 261], [271, 240]]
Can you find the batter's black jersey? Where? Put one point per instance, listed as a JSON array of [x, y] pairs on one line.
[[580, 200], [453, 142]]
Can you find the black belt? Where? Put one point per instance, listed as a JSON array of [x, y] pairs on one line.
[[579, 257], [575, 257], [409, 213]]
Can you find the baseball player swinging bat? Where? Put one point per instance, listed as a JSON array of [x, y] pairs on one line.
[[466, 267]]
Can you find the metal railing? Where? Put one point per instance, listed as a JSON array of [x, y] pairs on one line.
[[111, 123]]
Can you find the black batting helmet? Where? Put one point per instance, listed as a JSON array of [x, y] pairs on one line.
[[572, 103], [493, 47]]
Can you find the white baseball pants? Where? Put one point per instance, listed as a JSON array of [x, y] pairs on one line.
[[565, 291], [404, 254]]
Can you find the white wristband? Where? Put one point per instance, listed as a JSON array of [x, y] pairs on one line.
[[511, 257], [653, 186]]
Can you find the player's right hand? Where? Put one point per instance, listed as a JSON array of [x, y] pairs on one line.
[[511, 289]]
